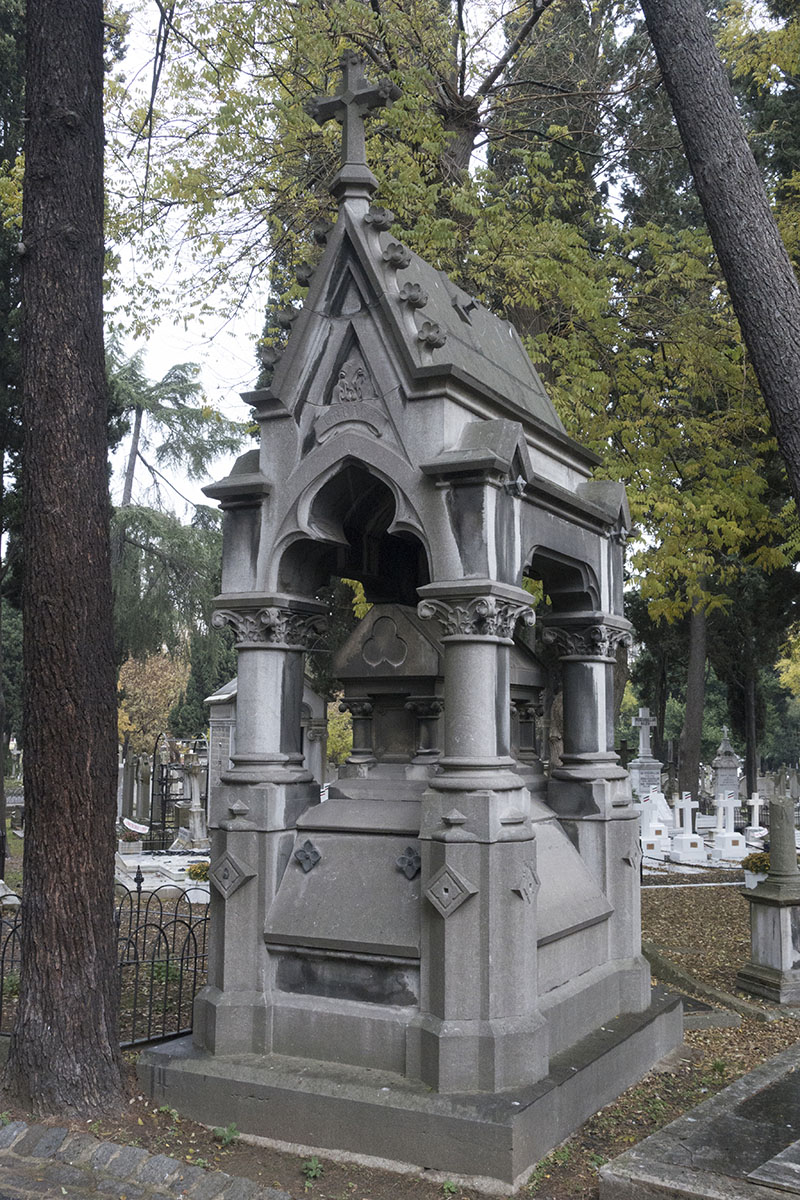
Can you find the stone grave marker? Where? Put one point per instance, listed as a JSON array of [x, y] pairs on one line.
[[426, 966]]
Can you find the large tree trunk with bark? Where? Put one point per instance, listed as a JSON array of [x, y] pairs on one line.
[[692, 731], [762, 283], [64, 1054]]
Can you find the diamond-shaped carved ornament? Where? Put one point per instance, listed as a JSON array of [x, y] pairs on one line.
[[634, 858], [529, 883], [228, 874], [448, 890]]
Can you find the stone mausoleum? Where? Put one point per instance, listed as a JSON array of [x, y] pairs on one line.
[[441, 963]]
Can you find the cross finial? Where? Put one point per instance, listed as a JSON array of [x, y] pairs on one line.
[[355, 97]]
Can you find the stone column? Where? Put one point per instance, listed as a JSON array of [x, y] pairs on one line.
[[479, 1028], [254, 809], [361, 757], [587, 645], [775, 915], [427, 710], [591, 791]]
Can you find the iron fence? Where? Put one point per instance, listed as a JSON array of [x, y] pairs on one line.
[[162, 959]]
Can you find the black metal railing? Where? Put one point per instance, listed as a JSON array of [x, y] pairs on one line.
[[161, 962]]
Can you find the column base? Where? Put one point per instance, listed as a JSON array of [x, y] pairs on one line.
[[229, 1022], [477, 1056]]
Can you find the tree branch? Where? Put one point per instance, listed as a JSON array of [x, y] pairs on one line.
[[513, 46]]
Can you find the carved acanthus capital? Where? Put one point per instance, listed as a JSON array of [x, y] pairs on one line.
[[282, 628], [479, 617], [594, 641], [360, 709], [425, 707]]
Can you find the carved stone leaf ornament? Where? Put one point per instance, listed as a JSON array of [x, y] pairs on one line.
[[308, 856], [409, 862], [483, 616], [591, 641], [272, 626], [396, 255], [432, 335], [379, 218]]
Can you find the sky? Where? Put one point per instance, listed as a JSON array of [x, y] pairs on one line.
[[224, 349]]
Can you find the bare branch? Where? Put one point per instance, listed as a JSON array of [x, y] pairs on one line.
[[514, 45]]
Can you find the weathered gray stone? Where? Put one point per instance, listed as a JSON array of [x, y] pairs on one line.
[[12, 1133], [450, 920], [159, 1169], [127, 1161]]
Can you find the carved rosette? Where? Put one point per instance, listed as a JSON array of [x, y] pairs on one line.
[[586, 642], [479, 617], [279, 628]]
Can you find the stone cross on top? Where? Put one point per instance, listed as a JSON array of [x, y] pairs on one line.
[[644, 722], [355, 97]]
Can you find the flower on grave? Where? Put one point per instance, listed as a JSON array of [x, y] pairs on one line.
[[198, 871], [757, 862], [128, 835]]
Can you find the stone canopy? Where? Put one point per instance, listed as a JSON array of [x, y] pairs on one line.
[[430, 965]]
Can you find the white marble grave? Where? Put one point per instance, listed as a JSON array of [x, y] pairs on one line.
[[687, 846], [655, 824], [728, 844]]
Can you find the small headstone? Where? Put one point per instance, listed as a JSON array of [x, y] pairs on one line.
[[645, 771], [655, 822], [687, 846], [755, 829], [726, 767], [728, 844]]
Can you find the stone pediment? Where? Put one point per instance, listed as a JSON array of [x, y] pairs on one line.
[[390, 639]]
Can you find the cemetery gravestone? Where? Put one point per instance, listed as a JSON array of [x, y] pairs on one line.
[[775, 915], [687, 846], [408, 442], [645, 770], [728, 844], [656, 822]]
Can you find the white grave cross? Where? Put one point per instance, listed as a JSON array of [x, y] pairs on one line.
[[685, 809], [725, 807], [755, 803], [644, 722]]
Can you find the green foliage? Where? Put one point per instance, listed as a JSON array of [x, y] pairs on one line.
[[165, 577], [198, 871], [212, 660], [340, 734], [163, 973], [312, 1168], [227, 1135]]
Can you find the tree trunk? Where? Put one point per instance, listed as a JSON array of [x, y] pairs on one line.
[[751, 732], [763, 287], [127, 490], [64, 1055], [692, 731]]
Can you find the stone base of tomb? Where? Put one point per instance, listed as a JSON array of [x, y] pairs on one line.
[[493, 1139], [774, 938]]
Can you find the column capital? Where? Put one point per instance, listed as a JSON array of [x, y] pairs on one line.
[[476, 608], [587, 637], [277, 623]]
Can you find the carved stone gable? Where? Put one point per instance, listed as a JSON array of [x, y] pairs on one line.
[[353, 383]]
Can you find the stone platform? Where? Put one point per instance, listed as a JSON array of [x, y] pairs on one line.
[[491, 1140], [743, 1144]]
